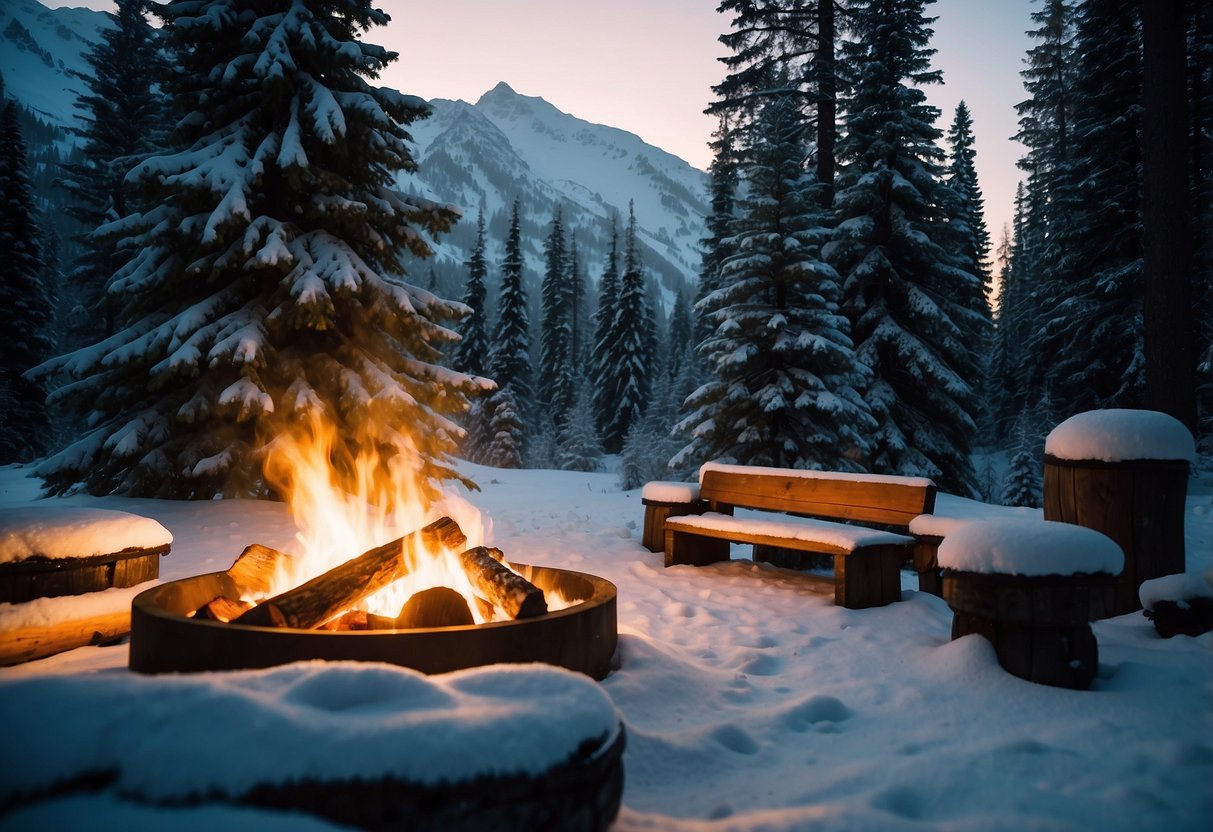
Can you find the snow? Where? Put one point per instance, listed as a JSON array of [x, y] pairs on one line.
[[57, 531], [1117, 435], [836, 535], [1178, 588], [1029, 547], [750, 701], [918, 482], [658, 491], [47, 612], [952, 513]]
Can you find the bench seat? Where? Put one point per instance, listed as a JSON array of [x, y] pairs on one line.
[[821, 536]]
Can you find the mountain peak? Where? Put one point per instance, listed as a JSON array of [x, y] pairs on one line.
[[502, 90]]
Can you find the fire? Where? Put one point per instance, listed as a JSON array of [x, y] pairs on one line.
[[343, 506]]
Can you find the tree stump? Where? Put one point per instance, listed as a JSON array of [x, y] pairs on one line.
[[663, 500], [1123, 473]]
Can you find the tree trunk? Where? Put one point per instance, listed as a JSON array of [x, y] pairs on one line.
[[1167, 308]]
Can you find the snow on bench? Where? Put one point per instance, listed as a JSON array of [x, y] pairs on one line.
[[823, 536]]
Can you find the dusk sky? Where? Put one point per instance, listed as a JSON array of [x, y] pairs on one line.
[[648, 66]]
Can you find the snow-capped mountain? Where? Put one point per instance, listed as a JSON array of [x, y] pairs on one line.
[[508, 145], [39, 49]]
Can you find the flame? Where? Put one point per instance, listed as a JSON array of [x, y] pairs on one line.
[[345, 503]]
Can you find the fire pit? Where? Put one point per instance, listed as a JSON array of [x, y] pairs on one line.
[[581, 637]]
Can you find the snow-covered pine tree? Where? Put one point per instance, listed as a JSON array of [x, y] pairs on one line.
[[123, 114], [1023, 485], [506, 433], [786, 386], [579, 448], [682, 333], [473, 353], [603, 375], [630, 354], [25, 301], [265, 281], [1092, 333], [723, 177], [901, 285], [510, 363], [579, 336], [555, 387], [962, 177]]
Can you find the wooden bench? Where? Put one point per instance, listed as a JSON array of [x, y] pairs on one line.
[[867, 561]]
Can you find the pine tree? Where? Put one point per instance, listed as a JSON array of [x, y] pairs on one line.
[[25, 301], [630, 345], [603, 373], [510, 364], [506, 433], [473, 354], [265, 281], [962, 177], [901, 284], [1023, 481], [785, 389], [579, 337], [723, 176], [123, 114], [555, 366], [1092, 333], [579, 448]]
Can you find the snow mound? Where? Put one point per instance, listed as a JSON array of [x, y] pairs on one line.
[[1029, 547], [1117, 435], [313, 720], [804, 473], [1179, 588], [670, 492], [73, 532]]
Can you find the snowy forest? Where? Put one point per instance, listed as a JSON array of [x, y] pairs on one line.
[[230, 247]]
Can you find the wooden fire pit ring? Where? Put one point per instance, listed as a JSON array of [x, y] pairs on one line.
[[582, 637]]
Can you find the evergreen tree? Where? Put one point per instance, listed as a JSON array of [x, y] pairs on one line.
[[579, 448], [473, 354], [962, 177], [579, 337], [682, 333], [1092, 332], [901, 285], [786, 384], [506, 432], [25, 301], [510, 364], [630, 347], [723, 176], [123, 117], [264, 284], [1023, 482], [555, 366], [604, 374]]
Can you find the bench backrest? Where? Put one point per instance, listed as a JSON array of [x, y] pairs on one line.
[[872, 498]]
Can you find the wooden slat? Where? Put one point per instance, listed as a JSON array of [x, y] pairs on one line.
[[874, 502], [30, 643]]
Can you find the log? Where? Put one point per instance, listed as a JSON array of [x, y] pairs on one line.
[[341, 588], [256, 567], [437, 606], [359, 620], [222, 609], [38, 642], [496, 583]]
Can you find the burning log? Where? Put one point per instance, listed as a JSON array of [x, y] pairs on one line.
[[360, 620], [254, 570], [437, 606], [342, 587], [222, 609], [496, 583]]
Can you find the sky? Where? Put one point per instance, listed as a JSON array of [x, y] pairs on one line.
[[648, 66]]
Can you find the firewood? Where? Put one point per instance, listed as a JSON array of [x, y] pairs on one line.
[[495, 582], [222, 609], [359, 620], [343, 587], [254, 570], [437, 606]]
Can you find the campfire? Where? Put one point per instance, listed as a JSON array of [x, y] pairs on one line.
[[432, 597]]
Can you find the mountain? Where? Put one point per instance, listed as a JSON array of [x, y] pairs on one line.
[[508, 145], [39, 49]]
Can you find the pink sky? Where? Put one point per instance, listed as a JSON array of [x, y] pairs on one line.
[[648, 66]]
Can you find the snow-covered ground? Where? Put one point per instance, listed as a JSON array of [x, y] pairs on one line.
[[751, 702]]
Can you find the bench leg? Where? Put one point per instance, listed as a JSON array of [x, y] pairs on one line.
[[655, 515], [693, 550], [867, 578], [927, 566]]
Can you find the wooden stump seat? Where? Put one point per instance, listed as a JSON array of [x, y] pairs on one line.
[[663, 500], [867, 561]]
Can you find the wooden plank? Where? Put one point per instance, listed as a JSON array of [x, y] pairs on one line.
[[693, 549], [777, 541], [886, 503], [39, 642]]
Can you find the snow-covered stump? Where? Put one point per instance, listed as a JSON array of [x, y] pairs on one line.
[[1123, 473], [663, 500], [1179, 605], [1032, 588]]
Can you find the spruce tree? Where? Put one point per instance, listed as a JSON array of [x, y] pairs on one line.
[[629, 358], [510, 364], [473, 354], [123, 116], [603, 373], [962, 177], [579, 448], [902, 286], [1022, 486], [786, 386], [265, 283], [723, 177], [579, 336], [25, 301], [506, 432], [555, 366]]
